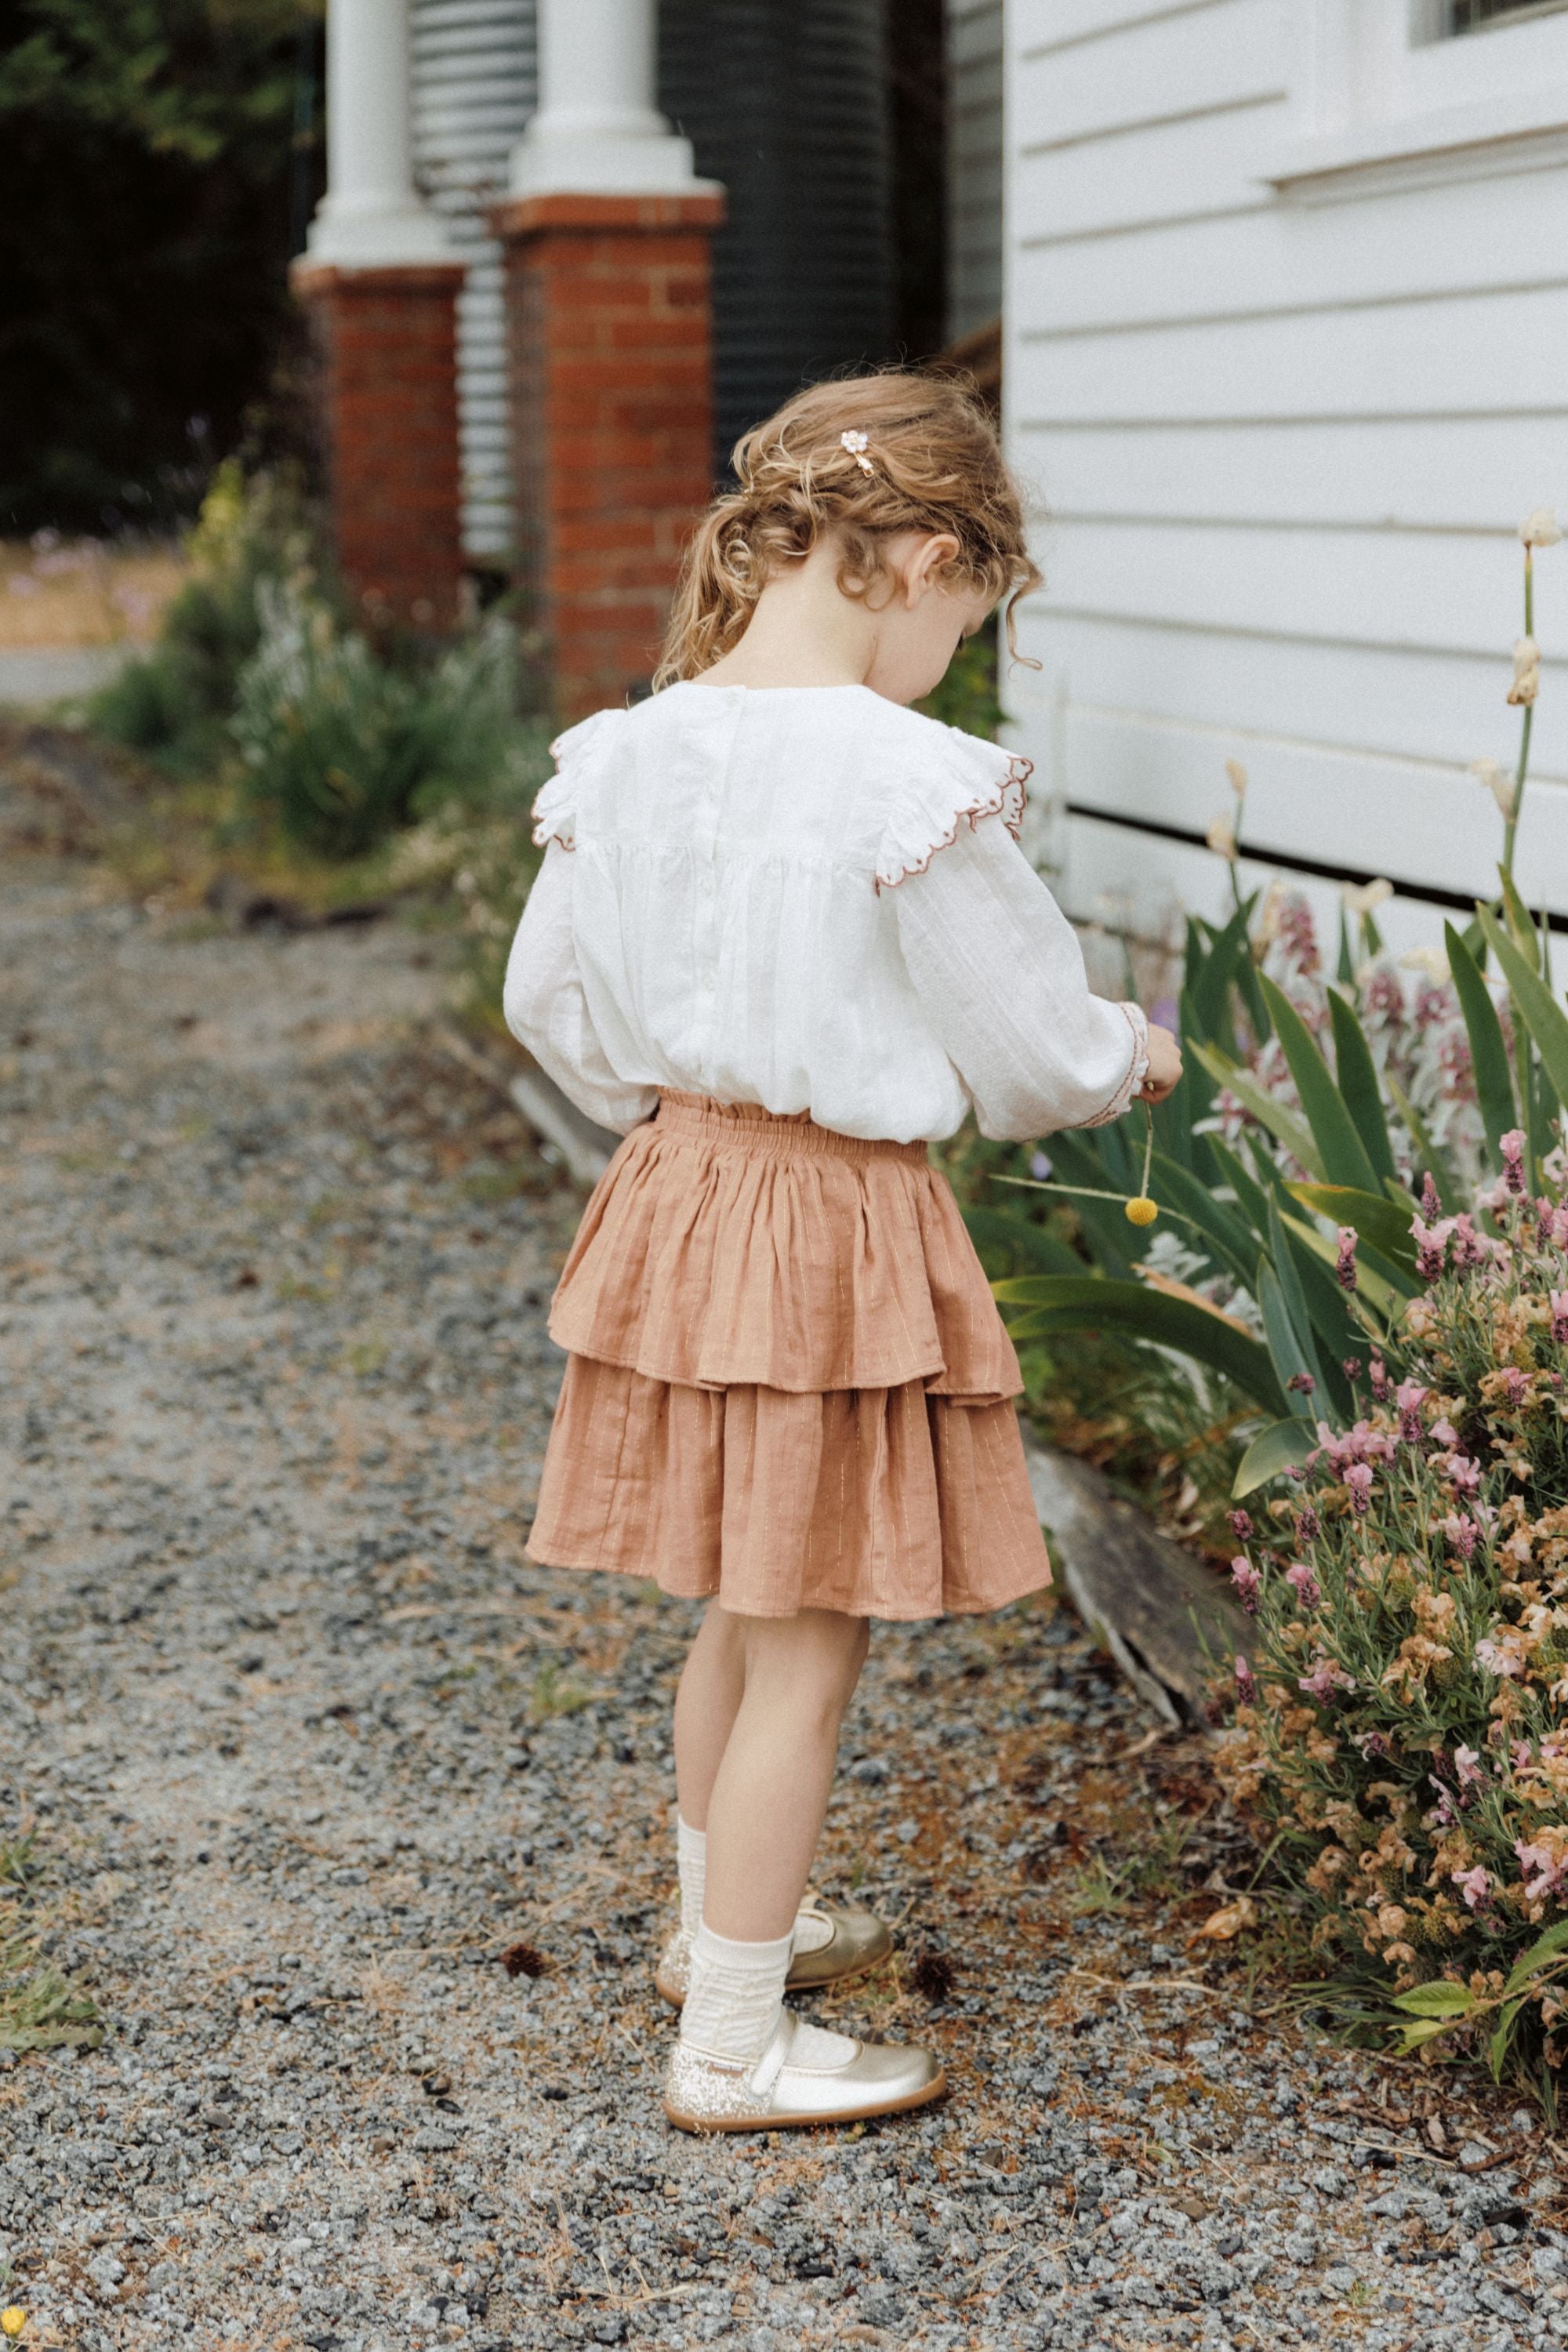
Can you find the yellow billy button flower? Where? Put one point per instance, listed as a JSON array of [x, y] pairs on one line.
[[1142, 1211], [13, 2320]]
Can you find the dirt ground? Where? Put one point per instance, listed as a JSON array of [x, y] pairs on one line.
[[355, 1830]]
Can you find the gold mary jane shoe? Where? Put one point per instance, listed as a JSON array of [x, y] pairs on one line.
[[804, 2076], [831, 1944]]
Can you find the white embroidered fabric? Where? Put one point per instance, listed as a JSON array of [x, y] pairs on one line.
[[811, 898]]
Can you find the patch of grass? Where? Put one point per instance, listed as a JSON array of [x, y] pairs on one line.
[[554, 1693], [40, 2008], [365, 1358]]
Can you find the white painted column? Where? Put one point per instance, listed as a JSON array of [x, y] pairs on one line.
[[371, 216], [597, 131]]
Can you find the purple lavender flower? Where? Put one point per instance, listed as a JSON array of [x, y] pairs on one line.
[[1560, 1315], [1431, 1207], [1358, 1478], [1248, 1581], [1511, 1146], [1246, 1688], [1308, 1526], [1409, 1396], [1344, 1264], [1378, 1374], [1240, 1526], [1304, 1584]]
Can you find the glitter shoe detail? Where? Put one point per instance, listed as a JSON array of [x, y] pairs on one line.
[[855, 1941], [805, 2076]]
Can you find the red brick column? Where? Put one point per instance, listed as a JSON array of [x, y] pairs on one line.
[[386, 343], [609, 335]]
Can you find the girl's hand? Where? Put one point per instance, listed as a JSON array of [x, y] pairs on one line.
[[1165, 1066]]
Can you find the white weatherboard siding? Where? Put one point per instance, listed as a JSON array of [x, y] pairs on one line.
[[473, 91], [1286, 363]]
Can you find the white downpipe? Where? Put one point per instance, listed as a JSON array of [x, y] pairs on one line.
[[597, 131], [371, 215]]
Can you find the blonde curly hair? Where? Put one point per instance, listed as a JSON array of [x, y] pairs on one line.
[[931, 461]]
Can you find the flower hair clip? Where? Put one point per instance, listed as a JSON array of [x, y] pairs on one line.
[[855, 443]]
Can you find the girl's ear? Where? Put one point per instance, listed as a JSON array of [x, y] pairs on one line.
[[930, 555]]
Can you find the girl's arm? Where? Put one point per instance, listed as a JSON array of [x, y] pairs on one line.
[[1001, 979], [546, 1006]]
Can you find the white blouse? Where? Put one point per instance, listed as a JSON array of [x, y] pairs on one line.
[[797, 897]]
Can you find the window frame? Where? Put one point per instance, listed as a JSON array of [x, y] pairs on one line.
[[1375, 89]]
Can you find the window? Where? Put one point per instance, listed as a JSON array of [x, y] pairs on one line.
[[1474, 15], [1425, 87]]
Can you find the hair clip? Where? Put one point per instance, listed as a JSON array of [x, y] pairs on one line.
[[857, 445]]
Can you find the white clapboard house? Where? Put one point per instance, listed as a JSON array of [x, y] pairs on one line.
[[1286, 362]]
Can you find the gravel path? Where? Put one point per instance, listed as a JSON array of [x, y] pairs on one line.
[[357, 1828]]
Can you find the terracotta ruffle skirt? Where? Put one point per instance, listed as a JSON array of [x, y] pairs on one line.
[[788, 1385]]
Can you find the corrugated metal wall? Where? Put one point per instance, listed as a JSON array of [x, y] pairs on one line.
[[973, 164], [788, 108], [474, 89]]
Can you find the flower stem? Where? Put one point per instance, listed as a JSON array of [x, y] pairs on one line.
[[1527, 717]]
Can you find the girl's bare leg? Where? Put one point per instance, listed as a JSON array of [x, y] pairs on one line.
[[766, 1802], [705, 1705]]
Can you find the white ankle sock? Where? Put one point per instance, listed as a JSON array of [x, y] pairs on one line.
[[692, 1855], [735, 1995]]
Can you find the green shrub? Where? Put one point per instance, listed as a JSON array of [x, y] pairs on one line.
[[1399, 1725], [341, 748], [174, 704]]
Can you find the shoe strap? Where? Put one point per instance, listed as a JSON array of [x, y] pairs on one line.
[[775, 2057]]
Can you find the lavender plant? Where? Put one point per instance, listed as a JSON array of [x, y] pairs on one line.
[[1398, 1730]]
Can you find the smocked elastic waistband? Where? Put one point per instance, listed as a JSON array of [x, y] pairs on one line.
[[747, 1127]]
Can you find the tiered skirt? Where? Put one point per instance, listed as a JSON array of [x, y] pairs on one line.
[[788, 1385]]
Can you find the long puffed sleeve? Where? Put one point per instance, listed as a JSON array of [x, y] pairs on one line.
[[1000, 977], [547, 1009]]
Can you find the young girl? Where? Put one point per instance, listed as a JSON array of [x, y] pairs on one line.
[[783, 938]]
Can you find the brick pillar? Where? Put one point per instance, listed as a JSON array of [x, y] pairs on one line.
[[386, 338], [609, 335]]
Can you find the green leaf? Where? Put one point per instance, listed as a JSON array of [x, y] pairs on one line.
[[1342, 1154], [1285, 1350], [1543, 1016], [1287, 1273], [1488, 1054], [1007, 1230], [1521, 928], [1358, 1082], [1375, 1216], [1285, 1126], [1089, 1302], [1547, 1947], [1222, 965], [1439, 1997], [1426, 2029], [1497, 2052], [1283, 1445], [1230, 1243], [1251, 1199], [1344, 971]]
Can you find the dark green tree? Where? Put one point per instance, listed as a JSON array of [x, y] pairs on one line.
[[156, 160]]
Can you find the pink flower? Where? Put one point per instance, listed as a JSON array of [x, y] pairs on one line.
[[1431, 1207], [1442, 1432], [1431, 1241], [1308, 1526], [1409, 1397], [1475, 1885], [1351, 1368], [1344, 1264], [1461, 1534], [1240, 1526], [1358, 1478], [1246, 1581], [1301, 1381], [1463, 1472], [1304, 1584], [1560, 1315], [1553, 1869], [1325, 1679], [1497, 1661], [1468, 1764], [1246, 1688], [1379, 1370], [1511, 1146]]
